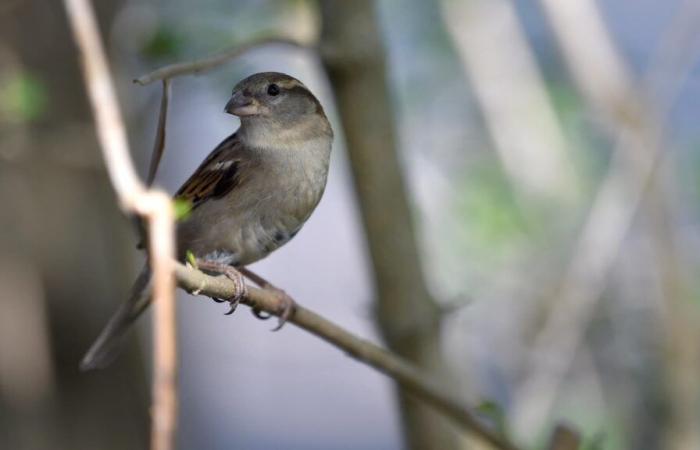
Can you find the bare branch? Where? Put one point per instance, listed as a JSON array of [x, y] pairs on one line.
[[355, 61], [210, 62], [134, 198], [410, 378], [162, 249], [159, 144]]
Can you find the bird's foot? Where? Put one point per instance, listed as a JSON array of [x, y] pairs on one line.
[[284, 310], [287, 309], [286, 303], [232, 274]]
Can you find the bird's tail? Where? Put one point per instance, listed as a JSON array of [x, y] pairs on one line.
[[108, 344]]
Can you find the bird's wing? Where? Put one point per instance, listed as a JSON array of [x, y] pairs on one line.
[[218, 174]]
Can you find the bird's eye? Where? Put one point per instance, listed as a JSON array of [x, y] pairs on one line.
[[273, 89]]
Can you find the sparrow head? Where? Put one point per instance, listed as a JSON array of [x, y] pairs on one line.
[[272, 95], [277, 110]]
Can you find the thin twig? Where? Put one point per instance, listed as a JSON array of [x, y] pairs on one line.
[[210, 62], [410, 378], [159, 144], [155, 206]]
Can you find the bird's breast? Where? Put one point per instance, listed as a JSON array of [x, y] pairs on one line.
[[269, 208]]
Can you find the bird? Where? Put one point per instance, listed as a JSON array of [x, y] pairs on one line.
[[250, 195]]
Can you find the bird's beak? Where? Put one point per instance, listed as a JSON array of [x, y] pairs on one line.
[[241, 105]]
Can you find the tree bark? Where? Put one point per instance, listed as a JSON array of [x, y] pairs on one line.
[[409, 319]]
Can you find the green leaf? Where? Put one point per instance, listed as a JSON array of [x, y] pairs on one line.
[[23, 98], [191, 259], [182, 208], [492, 218], [163, 44]]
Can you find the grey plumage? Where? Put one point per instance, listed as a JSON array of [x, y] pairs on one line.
[[251, 195]]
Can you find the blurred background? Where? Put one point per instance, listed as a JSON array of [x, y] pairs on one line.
[[512, 205]]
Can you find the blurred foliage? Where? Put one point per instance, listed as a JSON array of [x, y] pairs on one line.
[[494, 412], [591, 150], [218, 25], [164, 43], [487, 208], [23, 98], [608, 436]]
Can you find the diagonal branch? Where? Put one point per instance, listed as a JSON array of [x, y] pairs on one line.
[[210, 62], [405, 374]]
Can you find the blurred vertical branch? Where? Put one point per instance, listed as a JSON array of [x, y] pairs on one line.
[[154, 205], [637, 129], [58, 209], [513, 99], [352, 52], [671, 64]]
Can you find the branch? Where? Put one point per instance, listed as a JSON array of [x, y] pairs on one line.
[[407, 376], [159, 144], [210, 62], [133, 197], [356, 65]]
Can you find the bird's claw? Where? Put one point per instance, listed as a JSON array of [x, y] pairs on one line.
[[234, 305], [233, 275], [284, 311], [241, 290]]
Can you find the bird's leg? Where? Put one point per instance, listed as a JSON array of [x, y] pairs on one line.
[[286, 302], [233, 274]]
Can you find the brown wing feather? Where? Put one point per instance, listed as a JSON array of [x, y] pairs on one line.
[[218, 174]]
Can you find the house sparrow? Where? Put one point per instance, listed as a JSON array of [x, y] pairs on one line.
[[250, 196]]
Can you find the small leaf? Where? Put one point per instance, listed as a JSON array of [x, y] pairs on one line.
[[191, 259], [182, 209]]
